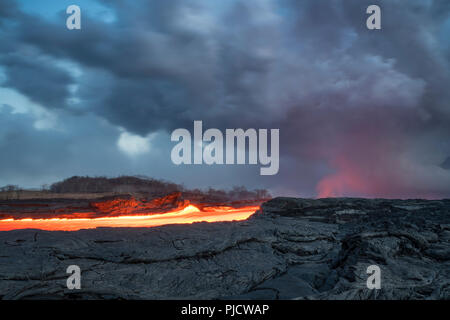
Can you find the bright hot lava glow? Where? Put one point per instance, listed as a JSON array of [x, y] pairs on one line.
[[187, 214]]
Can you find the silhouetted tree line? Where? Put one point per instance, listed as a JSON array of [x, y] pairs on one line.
[[9, 188], [120, 184], [142, 184], [11, 191]]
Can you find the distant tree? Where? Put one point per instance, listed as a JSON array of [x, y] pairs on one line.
[[11, 191]]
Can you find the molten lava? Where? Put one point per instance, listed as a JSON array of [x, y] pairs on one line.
[[186, 214]]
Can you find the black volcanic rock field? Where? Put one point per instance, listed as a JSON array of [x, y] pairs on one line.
[[290, 249]]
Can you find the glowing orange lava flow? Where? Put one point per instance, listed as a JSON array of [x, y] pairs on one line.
[[188, 214]]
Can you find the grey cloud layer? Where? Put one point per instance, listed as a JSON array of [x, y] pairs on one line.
[[361, 112]]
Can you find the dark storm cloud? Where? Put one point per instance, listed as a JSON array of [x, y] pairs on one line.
[[446, 164], [361, 112], [8, 9], [38, 79], [161, 70]]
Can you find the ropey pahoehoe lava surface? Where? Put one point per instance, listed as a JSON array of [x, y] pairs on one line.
[[291, 248]]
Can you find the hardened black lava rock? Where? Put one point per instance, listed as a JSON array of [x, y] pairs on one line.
[[290, 249]]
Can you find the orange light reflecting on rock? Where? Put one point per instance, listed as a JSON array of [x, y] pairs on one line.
[[188, 214]]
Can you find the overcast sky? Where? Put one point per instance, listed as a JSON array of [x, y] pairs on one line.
[[361, 112]]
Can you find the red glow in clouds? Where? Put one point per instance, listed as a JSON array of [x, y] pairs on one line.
[[344, 181], [187, 214]]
